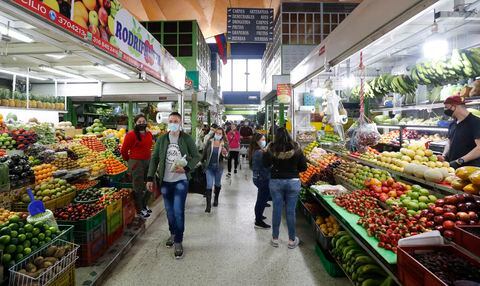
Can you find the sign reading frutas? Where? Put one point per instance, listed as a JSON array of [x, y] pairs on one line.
[[249, 25], [284, 93]]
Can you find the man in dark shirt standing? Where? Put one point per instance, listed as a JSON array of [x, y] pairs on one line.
[[463, 147]]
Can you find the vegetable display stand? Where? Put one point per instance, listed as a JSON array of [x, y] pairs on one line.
[[22, 207], [114, 216], [113, 237], [468, 237], [90, 252], [58, 264], [66, 233], [67, 278], [85, 237], [86, 225], [64, 200], [329, 263], [413, 273], [129, 212]]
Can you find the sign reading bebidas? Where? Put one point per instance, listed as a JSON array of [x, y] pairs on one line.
[[249, 25]]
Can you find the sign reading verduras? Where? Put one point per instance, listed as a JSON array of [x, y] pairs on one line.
[[249, 25], [111, 28]]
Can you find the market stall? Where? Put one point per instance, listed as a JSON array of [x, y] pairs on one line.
[[396, 206], [69, 87]]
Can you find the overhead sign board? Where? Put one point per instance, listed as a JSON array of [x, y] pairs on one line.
[[249, 25]]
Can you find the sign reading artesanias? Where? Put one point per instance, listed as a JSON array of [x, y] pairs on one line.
[[249, 25]]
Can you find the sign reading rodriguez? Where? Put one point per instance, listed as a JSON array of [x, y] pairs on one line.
[[249, 25]]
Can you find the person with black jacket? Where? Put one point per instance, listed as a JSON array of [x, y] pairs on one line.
[[286, 160]]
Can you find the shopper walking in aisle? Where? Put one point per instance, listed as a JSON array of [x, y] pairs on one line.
[[287, 161], [261, 177], [246, 133], [136, 150], [233, 137], [174, 156], [215, 150]]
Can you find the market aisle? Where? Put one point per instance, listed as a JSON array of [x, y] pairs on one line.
[[223, 248]]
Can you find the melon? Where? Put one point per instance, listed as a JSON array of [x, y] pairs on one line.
[[420, 170], [433, 175], [410, 168]]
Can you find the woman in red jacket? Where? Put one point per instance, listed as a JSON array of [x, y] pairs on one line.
[[136, 150], [233, 137]]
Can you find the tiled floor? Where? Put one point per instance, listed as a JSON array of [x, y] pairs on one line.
[[223, 248]]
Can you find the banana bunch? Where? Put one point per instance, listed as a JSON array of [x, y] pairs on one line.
[[387, 83], [463, 64], [360, 267]]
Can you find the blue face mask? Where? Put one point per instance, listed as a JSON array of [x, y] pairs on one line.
[[262, 144], [174, 127]]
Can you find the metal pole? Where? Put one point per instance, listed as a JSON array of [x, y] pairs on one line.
[[28, 88]]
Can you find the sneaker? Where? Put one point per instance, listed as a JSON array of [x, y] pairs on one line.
[[148, 210], [178, 251], [235, 171], [170, 240], [264, 217], [229, 175], [274, 242], [267, 205], [262, 225], [293, 244], [144, 214]]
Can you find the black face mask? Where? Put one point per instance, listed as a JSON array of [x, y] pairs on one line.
[[141, 127], [448, 112]]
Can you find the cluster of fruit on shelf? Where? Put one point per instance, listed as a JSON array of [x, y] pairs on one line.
[[19, 239], [309, 148], [93, 143], [466, 179], [43, 172], [358, 202], [96, 128], [49, 190], [5, 215], [19, 171], [399, 120], [330, 137], [65, 163], [356, 263], [80, 149], [119, 134], [459, 209], [49, 258], [414, 200], [113, 166], [385, 84], [306, 136], [321, 169], [65, 125], [94, 162], [77, 211], [316, 154], [7, 142], [328, 225], [356, 174]]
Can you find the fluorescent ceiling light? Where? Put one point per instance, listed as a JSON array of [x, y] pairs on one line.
[[60, 72], [56, 56], [21, 74], [15, 34], [435, 48], [112, 71]]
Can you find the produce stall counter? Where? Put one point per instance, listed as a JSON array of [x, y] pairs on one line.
[[442, 189], [385, 258]]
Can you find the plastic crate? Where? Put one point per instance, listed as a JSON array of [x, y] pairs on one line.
[[90, 252], [112, 238], [84, 237], [324, 241], [114, 216], [466, 239], [66, 232], [129, 213], [412, 273], [331, 267], [65, 199], [117, 177], [122, 185], [86, 224], [67, 278]]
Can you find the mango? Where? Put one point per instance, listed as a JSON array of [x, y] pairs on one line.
[[464, 172]]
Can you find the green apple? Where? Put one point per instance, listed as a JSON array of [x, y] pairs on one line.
[[423, 199], [93, 18]]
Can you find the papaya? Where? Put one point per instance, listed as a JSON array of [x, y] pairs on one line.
[[458, 184], [471, 189], [475, 178], [464, 172]]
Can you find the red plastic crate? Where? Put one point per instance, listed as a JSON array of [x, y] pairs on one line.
[[112, 238], [412, 273], [90, 252], [466, 239], [129, 213], [85, 237]]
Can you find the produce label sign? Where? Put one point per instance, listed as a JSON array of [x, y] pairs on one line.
[[284, 93], [249, 25], [113, 29]]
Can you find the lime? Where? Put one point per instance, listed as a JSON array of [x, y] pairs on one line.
[[22, 237], [34, 247], [48, 239], [28, 227], [14, 219], [14, 241], [11, 249], [13, 226], [34, 241], [27, 243], [20, 248], [48, 233], [2, 247], [41, 243], [14, 233], [21, 230], [53, 229], [27, 251], [38, 225], [4, 239], [6, 230], [6, 258], [41, 236], [29, 235], [19, 256], [35, 231]]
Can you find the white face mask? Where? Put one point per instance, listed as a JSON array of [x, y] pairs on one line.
[[218, 137], [262, 144], [174, 127]]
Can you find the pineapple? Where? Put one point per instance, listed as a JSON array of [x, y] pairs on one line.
[[40, 102], [16, 99], [23, 100], [11, 101], [5, 97], [62, 103], [33, 101]]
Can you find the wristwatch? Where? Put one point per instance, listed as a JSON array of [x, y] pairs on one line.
[[460, 161]]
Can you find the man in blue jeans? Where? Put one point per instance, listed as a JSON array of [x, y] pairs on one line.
[[166, 167]]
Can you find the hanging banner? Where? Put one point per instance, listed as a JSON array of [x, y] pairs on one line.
[[111, 28], [284, 93], [249, 25]]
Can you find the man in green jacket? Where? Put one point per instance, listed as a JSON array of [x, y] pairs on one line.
[[166, 167]]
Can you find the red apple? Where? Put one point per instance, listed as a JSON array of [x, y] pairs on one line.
[[460, 198], [438, 219], [439, 228], [462, 207], [448, 234], [449, 216], [473, 215], [430, 223], [450, 208], [459, 222], [439, 202], [463, 216], [438, 211], [430, 215], [450, 200], [448, 224]]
